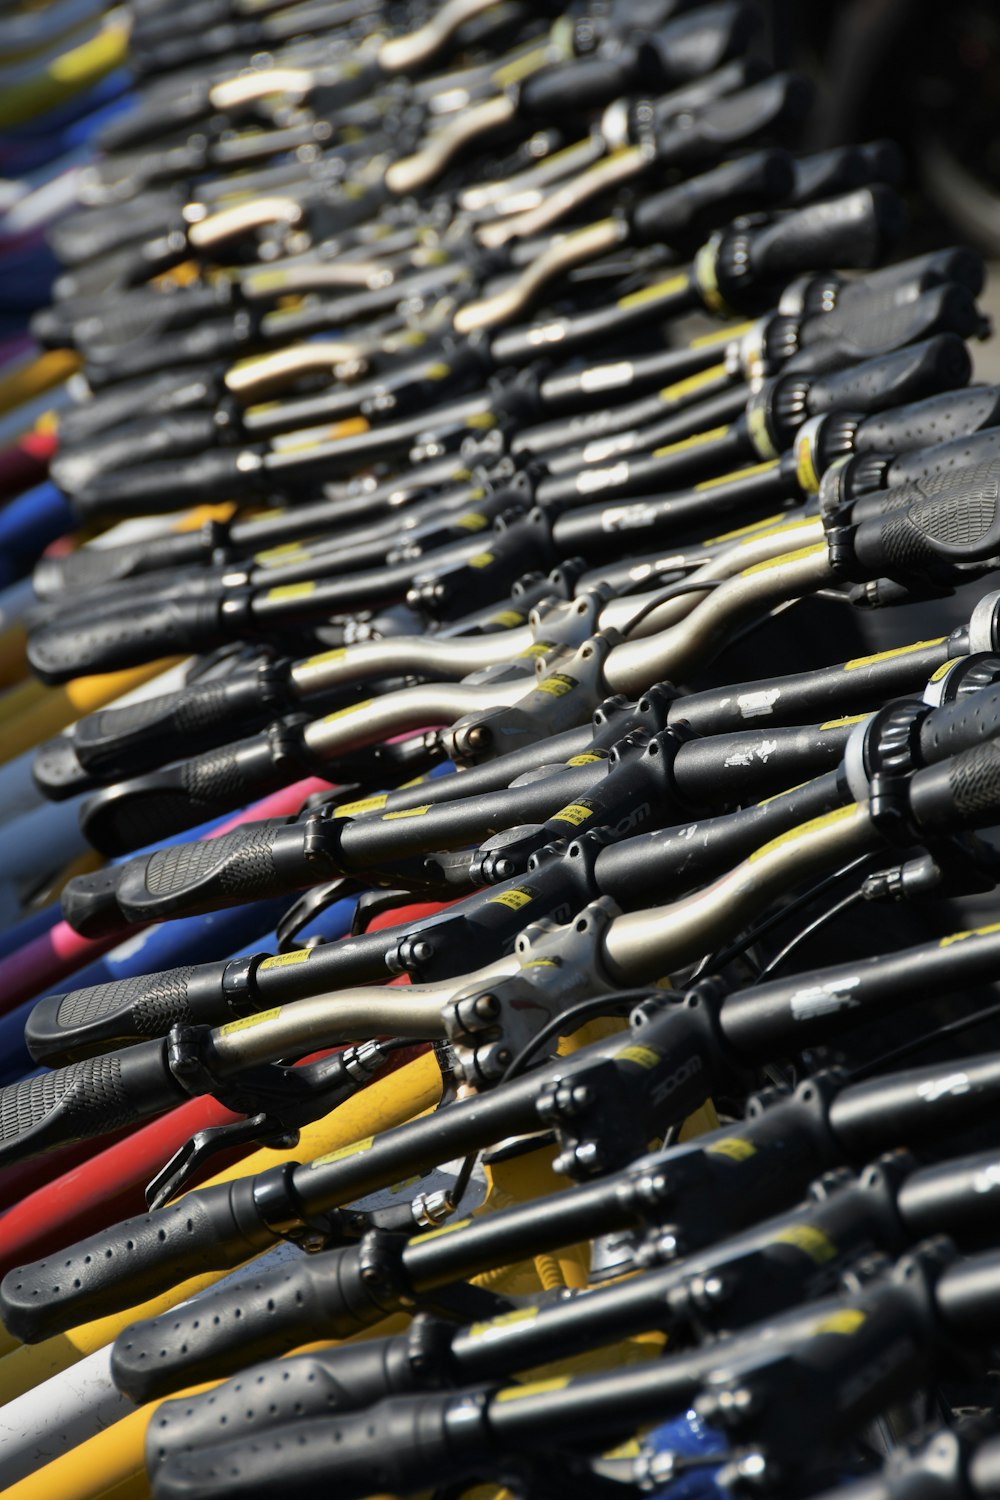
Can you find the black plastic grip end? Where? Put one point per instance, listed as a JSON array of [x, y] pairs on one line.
[[213, 1229]]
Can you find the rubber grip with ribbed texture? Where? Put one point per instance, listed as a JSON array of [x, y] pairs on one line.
[[214, 1229], [149, 808], [254, 862], [135, 738], [64, 1028], [864, 329], [57, 772], [936, 524], [395, 1448], [256, 1318], [84, 1100], [268, 1395], [955, 727], [94, 567], [963, 792], [168, 435], [71, 646], [713, 131], [218, 474]]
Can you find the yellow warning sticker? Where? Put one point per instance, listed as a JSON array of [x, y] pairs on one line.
[[574, 813], [514, 899], [407, 812], [353, 708], [246, 1023], [354, 1149], [534, 1388], [736, 1147], [363, 805], [812, 1242], [668, 288], [286, 960], [557, 686], [869, 661]]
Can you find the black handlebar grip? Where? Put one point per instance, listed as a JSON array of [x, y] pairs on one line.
[[398, 1447], [350, 1378], [957, 263], [89, 903], [64, 1028], [875, 324], [159, 486], [145, 313], [854, 230], [84, 1100], [93, 232], [693, 208], [149, 808], [214, 1229], [226, 337], [316, 1297], [824, 174], [961, 525], [769, 107], [94, 567], [575, 88], [963, 792], [947, 458], [57, 772], [173, 390], [693, 45], [925, 424], [140, 736], [937, 364], [64, 648], [170, 435], [159, 113], [959, 726], [253, 862]]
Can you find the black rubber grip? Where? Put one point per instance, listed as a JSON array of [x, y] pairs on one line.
[[824, 174], [95, 567], [89, 903], [350, 1378], [159, 113], [214, 1229], [946, 458], [219, 474], [57, 771], [173, 390], [959, 726], [64, 1028], [227, 337], [695, 207], [853, 230], [140, 736], [937, 364], [713, 132], [84, 1100], [149, 808], [397, 1448], [256, 1318], [85, 235], [146, 313], [166, 436], [249, 864], [693, 45], [925, 424], [963, 792], [925, 532], [875, 324], [72, 647], [956, 263]]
